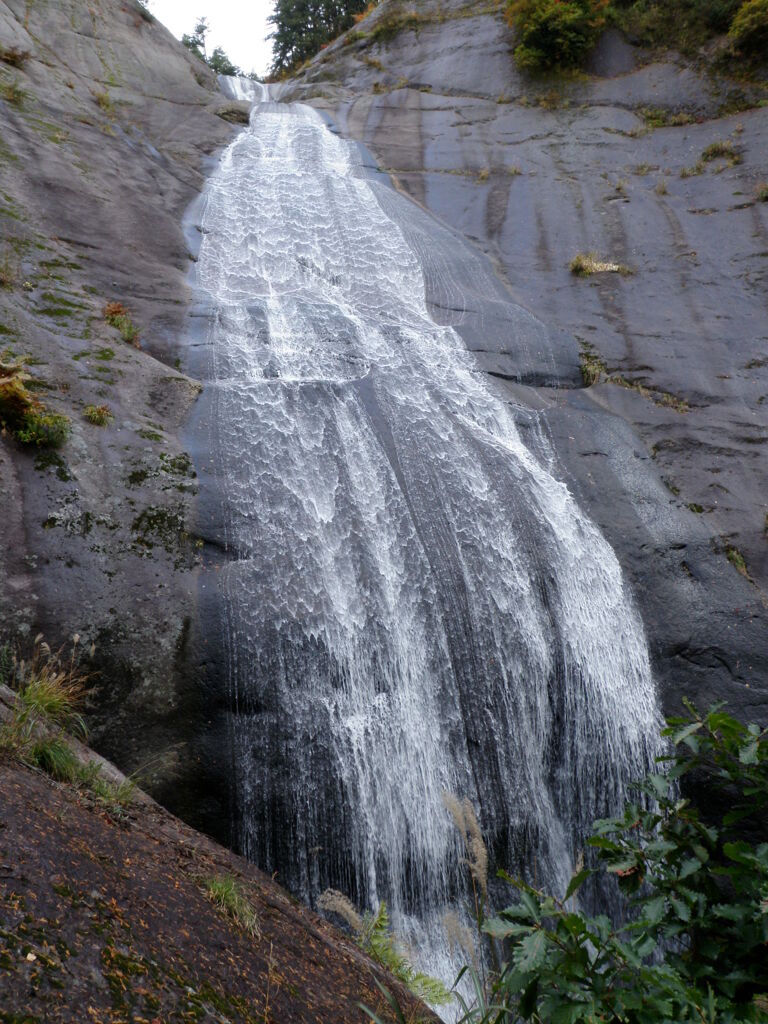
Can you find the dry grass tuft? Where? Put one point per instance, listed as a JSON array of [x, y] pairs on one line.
[[468, 827], [14, 56], [335, 902], [584, 264]]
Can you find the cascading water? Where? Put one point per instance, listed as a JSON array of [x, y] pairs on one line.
[[414, 605]]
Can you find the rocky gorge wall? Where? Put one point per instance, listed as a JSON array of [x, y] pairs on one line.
[[667, 450], [104, 143]]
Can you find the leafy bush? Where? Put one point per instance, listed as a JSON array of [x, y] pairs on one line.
[[23, 414], [555, 34], [749, 29], [695, 888], [43, 429], [698, 889]]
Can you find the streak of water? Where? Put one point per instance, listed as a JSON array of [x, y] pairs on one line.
[[414, 604]]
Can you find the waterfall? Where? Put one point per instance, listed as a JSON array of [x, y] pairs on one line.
[[413, 603]]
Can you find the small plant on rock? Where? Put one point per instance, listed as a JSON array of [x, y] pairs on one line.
[[229, 896], [373, 934], [13, 93], [722, 150], [14, 56], [98, 415], [584, 264], [23, 414], [117, 316]]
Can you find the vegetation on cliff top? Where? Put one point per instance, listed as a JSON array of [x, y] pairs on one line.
[[550, 35]]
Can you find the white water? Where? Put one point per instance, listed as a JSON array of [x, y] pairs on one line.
[[414, 604]]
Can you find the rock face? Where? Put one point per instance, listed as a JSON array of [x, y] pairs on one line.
[[100, 155], [105, 915], [667, 452]]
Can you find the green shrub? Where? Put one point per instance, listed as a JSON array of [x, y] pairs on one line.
[[695, 889], [749, 29], [685, 25], [23, 414], [43, 429], [555, 34]]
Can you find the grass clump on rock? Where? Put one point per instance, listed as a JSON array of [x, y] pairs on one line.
[[117, 316], [13, 93], [585, 264], [228, 895], [14, 56], [721, 150], [98, 415]]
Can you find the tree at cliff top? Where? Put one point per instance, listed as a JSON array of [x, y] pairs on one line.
[[303, 27], [218, 60]]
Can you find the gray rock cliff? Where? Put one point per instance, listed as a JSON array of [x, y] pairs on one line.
[[668, 451], [104, 147]]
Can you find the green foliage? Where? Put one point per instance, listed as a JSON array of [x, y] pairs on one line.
[[229, 896], [221, 64], [698, 891], [555, 34], [55, 757], [749, 29], [218, 60], [23, 414], [303, 27], [98, 415], [687, 25], [373, 934], [693, 947], [43, 429], [117, 316]]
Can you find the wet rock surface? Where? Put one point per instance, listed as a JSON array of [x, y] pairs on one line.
[[110, 137], [666, 451]]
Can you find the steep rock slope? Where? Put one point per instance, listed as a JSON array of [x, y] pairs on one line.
[[106, 132], [105, 916], [669, 454]]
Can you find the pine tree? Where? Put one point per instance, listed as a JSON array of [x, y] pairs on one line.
[[302, 27]]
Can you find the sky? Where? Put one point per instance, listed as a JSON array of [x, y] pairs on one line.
[[239, 26]]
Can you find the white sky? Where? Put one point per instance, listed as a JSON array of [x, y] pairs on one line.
[[239, 26]]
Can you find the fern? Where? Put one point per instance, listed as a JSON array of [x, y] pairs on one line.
[[373, 934]]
